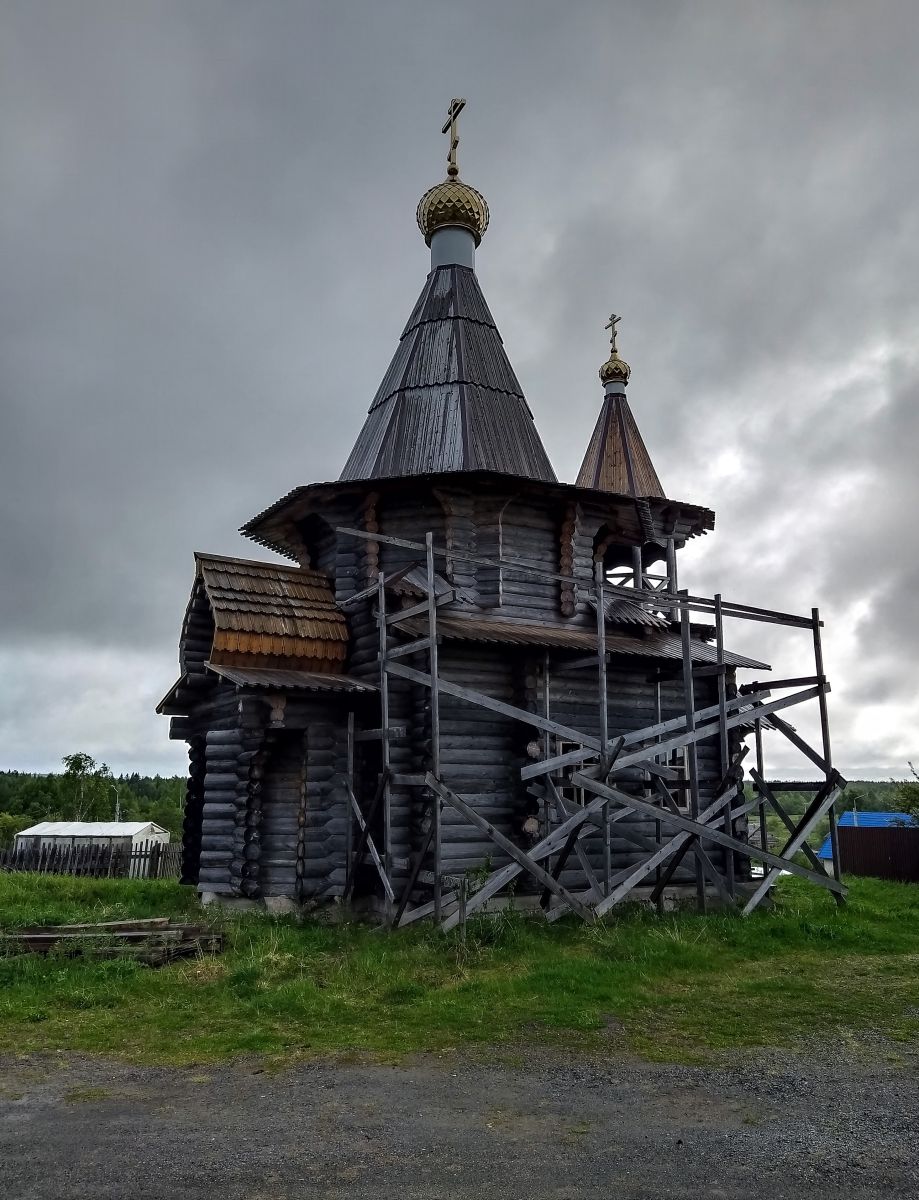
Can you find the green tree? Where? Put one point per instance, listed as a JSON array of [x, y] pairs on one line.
[[907, 794], [10, 825], [87, 787]]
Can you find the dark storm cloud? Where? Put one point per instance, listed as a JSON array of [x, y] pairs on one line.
[[209, 252]]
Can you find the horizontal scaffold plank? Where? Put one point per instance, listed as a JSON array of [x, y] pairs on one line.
[[498, 706]]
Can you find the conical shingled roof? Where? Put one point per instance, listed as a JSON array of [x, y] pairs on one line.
[[450, 400], [617, 459]]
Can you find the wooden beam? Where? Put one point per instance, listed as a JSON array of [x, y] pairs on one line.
[[371, 591], [574, 757], [700, 829], [520, 856], [376, 735], [416, 871], [796, 740], [786, 820], [498, 706], [420, 609], [368, 840], [415, 647], [816, 811]]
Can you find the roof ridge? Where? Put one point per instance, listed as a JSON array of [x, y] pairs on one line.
[[261, 564]]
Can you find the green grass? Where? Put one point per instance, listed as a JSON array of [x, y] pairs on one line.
[[680, 988]]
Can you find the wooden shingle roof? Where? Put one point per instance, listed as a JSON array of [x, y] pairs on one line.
[[269, 614], [617, 459], [450, 400]]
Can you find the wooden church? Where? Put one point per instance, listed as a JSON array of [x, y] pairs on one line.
[[467, 670]]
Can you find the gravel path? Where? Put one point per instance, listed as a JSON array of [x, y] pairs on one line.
[[840, 1124]]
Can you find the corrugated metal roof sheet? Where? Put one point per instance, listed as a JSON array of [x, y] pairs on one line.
[[89, 829], [620, 610], [657, 644], [415, 583], [865, 820], [449, 400], [306, 681]]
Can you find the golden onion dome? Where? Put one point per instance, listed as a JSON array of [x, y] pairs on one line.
[[452, 203], [615, 368]]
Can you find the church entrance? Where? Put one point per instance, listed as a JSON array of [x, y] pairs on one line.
[[284, 817]]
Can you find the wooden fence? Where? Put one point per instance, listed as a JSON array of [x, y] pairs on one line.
[[146, 860], [888, 852]]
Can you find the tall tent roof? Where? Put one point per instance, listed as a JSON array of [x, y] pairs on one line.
[[617, 459], [450, 400]]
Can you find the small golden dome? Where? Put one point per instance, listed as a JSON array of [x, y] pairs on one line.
[[615, 368], [452, 203]]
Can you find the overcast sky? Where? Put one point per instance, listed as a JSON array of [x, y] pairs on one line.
[[209, 251]]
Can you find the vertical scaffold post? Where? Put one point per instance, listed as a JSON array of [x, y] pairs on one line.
[[384, 727], [637, 571], [825, 732], [546, 743], [437, 803], [349, 818], [760, 770], [661, 760], [723, 742], [672, 582], [599, 580], [601, 663], [692, 761]]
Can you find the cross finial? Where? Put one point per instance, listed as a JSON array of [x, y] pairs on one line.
[[613, 322], [456, 107]]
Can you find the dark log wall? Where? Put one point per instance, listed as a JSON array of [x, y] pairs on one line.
[[481, 755], [197, 635], [531, 533], [229, 827], [194, 810]]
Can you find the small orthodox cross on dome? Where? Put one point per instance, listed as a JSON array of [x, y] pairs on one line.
[[613, 322], [456, 107]]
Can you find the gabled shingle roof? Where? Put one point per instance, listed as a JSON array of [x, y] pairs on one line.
[[450, 400], [272, 611]]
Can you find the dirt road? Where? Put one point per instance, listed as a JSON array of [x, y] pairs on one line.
[[834, 1123]]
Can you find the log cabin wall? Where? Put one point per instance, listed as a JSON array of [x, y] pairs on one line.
[[481, 753], [632, 705]]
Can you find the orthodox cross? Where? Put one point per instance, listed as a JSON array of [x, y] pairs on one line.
[[456, 107], [613, 322]]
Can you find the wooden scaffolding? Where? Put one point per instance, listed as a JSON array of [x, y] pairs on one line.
[[628, 775]]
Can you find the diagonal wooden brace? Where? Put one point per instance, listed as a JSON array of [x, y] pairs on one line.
[[368, 841], [783, 816], [553, 841], [706, 831], [520, 856], [819, 807]]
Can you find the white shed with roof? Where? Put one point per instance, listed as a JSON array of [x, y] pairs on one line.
[[117, 835]]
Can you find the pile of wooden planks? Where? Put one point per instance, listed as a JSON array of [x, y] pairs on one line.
[[154, 940]]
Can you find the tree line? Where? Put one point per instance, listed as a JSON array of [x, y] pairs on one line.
[[87, 791]]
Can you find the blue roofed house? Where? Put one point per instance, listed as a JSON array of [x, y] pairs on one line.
[[865, 820]]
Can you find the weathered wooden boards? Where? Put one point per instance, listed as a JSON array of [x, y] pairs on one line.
[[155, 940], [146, 860]]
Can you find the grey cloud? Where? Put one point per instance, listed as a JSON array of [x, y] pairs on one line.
[[207, 219]]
